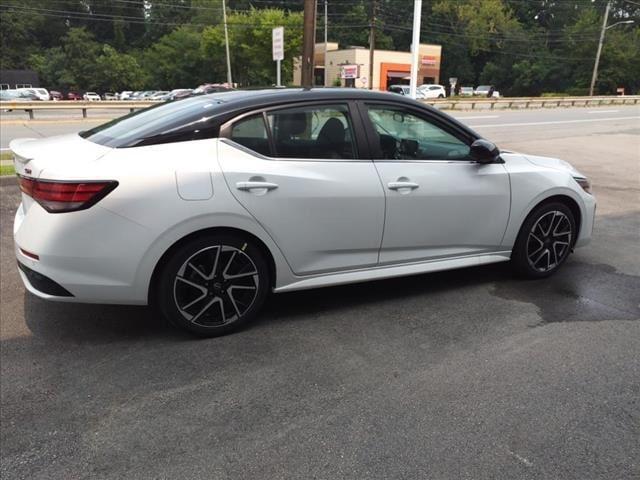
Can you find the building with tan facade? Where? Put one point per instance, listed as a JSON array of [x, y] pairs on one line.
[[349, 67]]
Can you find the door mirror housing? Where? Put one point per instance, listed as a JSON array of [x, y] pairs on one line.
[[484, 151]]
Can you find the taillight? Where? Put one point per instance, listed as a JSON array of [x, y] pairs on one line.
[[65, 196]]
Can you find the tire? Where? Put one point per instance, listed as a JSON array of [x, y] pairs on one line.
[[440, 96], [213, 284], [544, 241]]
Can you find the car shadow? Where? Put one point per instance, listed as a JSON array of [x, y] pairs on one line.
[[94, 323], [580, 291]]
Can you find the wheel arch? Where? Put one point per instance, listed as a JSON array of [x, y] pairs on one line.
[[566, 200], [164, 258]]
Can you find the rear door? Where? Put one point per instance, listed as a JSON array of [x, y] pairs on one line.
[[440, 203], [302, 173]]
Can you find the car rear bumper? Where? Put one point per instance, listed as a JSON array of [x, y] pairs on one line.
[[68, 267]]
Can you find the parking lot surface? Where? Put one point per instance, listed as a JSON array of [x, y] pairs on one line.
[[463, 374]]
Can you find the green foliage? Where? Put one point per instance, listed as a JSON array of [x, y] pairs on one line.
[[18, 38], [6, 170], [250, 35], [117, 71], [176, 61]]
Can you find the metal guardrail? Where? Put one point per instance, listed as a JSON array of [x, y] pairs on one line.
[[444, 103], [83, 105], [532, 102]]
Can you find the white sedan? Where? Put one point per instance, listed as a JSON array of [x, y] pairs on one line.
[[92, 97], [203, 207], [432, 91]]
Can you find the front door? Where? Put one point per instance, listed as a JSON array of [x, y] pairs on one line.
[[298, 172], [439, 202]]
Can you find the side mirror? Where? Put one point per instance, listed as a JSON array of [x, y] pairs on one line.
[[483, 151]]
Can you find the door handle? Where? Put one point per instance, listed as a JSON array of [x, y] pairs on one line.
[[249, 186], [402, 185]]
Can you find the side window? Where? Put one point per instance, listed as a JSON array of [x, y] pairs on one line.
[[405, 136], [251, 132], [314, 131]]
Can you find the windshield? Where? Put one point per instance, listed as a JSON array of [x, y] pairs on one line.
[[163, 123]]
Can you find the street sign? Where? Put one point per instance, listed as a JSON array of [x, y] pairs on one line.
[[349, 71], [278, 43], [429, 61], [453, 81]]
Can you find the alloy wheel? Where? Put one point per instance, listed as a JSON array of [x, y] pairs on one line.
[[549, 241], [216, 286]]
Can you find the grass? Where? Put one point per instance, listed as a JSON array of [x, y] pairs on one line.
[[7, 170], [6, 156]]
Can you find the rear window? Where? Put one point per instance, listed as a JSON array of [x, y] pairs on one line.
[[178, 121]]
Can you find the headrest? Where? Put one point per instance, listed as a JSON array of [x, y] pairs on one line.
[[291, 124]]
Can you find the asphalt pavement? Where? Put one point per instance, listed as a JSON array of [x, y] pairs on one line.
[[468, 374]]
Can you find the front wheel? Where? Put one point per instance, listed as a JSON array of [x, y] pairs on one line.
[[545, 240], [213, 284]]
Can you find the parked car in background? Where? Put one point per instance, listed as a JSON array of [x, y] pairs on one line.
[[466, 91], [13, 95], [9, 95], [110, 96], [146, 94], [125, 95], [91, 97], [41, 93], [206, 88], [483, 91], [159, 95], [179, 93], [432, 91], [55, 95], [74, 96], [405, 90]]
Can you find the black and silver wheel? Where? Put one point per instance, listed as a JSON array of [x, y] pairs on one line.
[[545, 240], [213, 284]]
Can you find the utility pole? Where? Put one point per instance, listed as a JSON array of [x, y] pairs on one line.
[[595, 66], [326, 40], [372, 42], [308, 43], [415, 47], [226, 42]]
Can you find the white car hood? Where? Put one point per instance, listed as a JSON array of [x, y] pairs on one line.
[[554, 163]]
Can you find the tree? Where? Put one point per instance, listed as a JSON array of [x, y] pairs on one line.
[[250, 38], [176, 60], [117, 71], [18, 38]]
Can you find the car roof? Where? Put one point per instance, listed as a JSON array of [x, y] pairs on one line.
[[238, 99], [234, 102]]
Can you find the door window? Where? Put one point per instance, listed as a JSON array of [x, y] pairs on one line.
[[405, 136], [251, 132], [314, 131]]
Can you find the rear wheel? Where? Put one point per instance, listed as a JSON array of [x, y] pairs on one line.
[[545, 240], [213, 284]]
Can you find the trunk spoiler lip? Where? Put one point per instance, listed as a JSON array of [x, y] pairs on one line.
[[16, 148], [26, 149]]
